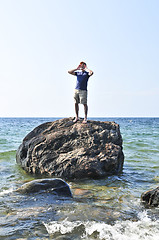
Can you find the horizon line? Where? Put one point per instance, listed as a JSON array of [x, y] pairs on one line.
[[81, 117]]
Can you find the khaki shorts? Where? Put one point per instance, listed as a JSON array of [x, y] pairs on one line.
[[80, 96]]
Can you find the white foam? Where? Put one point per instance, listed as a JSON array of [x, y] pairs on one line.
[[4, 192], [143, 229], [62, 227]]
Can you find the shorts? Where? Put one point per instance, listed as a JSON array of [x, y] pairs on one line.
[[80, 96]]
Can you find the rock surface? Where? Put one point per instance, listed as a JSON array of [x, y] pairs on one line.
[[72, 150], [55, 186], [151, 197]]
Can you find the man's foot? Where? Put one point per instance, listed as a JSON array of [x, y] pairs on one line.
[[84, 121], [75, 120]]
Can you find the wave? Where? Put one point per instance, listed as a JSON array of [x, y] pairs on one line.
[[5, 192], [144, 228]]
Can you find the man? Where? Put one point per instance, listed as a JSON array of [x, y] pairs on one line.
[[80, 96]]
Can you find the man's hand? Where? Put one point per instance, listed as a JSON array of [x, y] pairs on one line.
[[79, 67], [90, 72]]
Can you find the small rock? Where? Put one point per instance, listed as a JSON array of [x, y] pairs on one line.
[[54, 185], [151, 197]]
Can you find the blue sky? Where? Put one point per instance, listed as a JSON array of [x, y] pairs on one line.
[[42, 39]]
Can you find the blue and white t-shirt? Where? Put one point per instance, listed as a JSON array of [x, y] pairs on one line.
[[82, 80]]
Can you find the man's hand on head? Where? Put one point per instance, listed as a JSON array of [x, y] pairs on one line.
[[79, 67]]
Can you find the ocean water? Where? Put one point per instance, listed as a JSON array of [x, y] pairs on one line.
[[106, 209]]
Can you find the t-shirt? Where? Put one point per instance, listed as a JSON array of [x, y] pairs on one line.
[[82, 80]]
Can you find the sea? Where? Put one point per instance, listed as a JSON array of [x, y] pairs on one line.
[[104, 209]]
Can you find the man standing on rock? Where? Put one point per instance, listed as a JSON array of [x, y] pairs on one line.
[[80, 95]]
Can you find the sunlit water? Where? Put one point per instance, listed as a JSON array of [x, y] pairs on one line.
[[106, 209]]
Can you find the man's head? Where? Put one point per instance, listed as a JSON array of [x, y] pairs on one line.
[[83, 65]]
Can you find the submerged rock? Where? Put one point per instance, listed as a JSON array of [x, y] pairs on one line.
[[151, 197], [55, 186], [72, 150]]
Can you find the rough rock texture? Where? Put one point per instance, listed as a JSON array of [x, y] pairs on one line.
[[151, 197], [55, 186], [72, 150]]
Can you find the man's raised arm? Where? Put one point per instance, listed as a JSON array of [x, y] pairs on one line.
[[73, 71], [90, 72]]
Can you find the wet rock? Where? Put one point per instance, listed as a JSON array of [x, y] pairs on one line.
[[72, 150], [151, 197], [55, 186]]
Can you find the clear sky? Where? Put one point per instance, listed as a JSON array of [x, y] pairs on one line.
[[40, 40]]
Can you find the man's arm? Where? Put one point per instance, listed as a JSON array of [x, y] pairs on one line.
[[73, 71], [90, 72]]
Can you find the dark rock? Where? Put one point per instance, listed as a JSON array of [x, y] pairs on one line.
[[55, 186], [72, 150], [151, 197]]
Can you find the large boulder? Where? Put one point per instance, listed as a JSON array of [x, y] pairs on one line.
[[72, 150], [151, 197], [55, 186]]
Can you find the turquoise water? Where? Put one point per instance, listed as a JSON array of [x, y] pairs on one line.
[[107, 209]]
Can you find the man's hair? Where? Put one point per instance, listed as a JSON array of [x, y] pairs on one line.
[[83, 63]]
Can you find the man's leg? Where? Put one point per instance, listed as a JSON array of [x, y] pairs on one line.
[[76, 111], [76, 98], [85, 113]]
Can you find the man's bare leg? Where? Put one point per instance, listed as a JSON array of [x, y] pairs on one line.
[[76, 111], [85, 113]]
